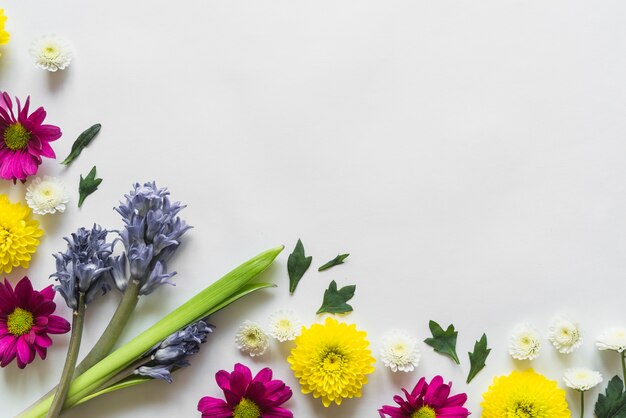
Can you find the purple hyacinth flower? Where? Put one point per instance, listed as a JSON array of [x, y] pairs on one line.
[[151, 235], [172, 353], [81, 268]]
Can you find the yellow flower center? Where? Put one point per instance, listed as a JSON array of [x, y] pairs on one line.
[[399, 348], [284, 324], [253, 338], [20, 322], [424, 412], [246, 409], [16, 136], [333, 362], [525, 409]]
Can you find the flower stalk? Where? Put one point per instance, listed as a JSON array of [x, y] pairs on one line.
[[112, 332], [70, 361], [582, 404], [623, 354]]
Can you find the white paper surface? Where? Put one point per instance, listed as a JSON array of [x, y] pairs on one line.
[[468, 155]]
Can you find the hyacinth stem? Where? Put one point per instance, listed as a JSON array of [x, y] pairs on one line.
[[112, 332], [70, 360], [582, 404], [214, 297], [624, 366]]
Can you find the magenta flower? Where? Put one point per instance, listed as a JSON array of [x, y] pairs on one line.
[[23, 139], [427, 400], [247, 397], [25, 321]]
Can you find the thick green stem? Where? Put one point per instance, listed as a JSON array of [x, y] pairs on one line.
[[70, 361], [624, 366], [111, 334], [582, 404]]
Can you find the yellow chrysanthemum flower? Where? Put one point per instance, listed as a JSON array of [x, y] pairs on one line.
[[19, 235], [4, 35], [332, 361], [524, 395]]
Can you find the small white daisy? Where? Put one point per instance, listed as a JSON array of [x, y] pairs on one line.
[[613, 339], [51, 53], [565, 335], [582, 379], [47, 195], [251, 339], [400, 351], [525, 343], [284, 325]]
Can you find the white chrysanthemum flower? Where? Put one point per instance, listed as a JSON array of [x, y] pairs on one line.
[[251, 339], [525, 343], [47, 195], [284, 325], [613, 339], [51, 53], [581, 379], [565, 335], [400, 351]]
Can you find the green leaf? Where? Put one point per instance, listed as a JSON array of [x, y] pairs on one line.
[[443, 342], [297, 265], [612, 404], [478, 357], [81, 142], [334, 262], [335, 300], [128, 382], [88, 185]]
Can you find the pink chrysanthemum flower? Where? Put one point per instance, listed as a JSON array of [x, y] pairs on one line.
[[24, 139], [25, 321], [427, 400], [247, 397]]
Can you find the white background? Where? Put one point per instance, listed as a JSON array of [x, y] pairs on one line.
[[469, 155]]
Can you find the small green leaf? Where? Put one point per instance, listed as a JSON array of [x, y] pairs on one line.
[[443, 342], [335, 300], [612, 404], [88, 185], [334, 262], [297, 265], [123, 384], [81, 142], [478, 357]]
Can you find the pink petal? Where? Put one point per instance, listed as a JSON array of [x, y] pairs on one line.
[[42, 340], [25, 353], [57, 325], [47, 292], [276, 412], [214, 408], [23, 291]]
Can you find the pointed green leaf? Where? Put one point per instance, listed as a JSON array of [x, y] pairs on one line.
[[334, 262], [335, 300], [443, 342], [88, 185], [297, 265], [612, 404], [128, 382], [81, 142], [478, 357]]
